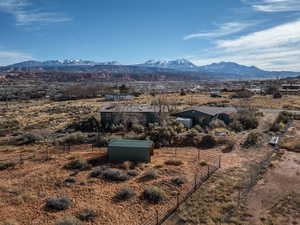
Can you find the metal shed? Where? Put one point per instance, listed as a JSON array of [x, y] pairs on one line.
[[187, 122], [121, 150]]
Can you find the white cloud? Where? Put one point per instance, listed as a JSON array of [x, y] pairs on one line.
[[274, 5], [285, 34], [9, 57], [277, 48], [223, 30], [277, 60], [25, 13]]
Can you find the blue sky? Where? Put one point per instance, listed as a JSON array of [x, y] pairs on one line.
[[264, 33]]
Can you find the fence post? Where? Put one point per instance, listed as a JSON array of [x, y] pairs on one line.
[[198, 154], [239, 199], [195, 187], [208, 171], [157, 219], [219, 161], [21, 159]]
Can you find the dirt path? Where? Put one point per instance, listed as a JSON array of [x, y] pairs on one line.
[[276, 198]]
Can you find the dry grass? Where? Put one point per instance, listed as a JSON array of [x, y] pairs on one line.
[[290, 143], [213, 203], [44, 180], [287, 102], [29, 185]]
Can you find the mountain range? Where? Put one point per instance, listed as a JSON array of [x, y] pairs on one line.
[[222, 70]]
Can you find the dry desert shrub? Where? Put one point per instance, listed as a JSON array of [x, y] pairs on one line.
[[124, 194], [154, 194], [208, 141], [87, 215], [253, 139], [276, 127], [178, 180], [126, 165], [4, 165], [227, 143], [133, 173], [73, 138], [70, 180], [280, 123], [78, 164], [7, 126], [217, 124], [173, 162], [98, 171], [203, 163], [149, 174], [140, 165], [138, 128], [290, 143], [100, 141], [26, 196], [114, 175], [58, 204], [68, 220], [248, 120], [242, 94], [236, 126], [24, 139]]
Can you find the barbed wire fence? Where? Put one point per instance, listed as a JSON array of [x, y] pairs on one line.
[[201, 175], [254, 174]]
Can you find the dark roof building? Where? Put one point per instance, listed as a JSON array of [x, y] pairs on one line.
[[214, 110], [128, 113], [290, 89], [203, 115]]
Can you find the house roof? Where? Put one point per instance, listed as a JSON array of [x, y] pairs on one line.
[[130, 143], [133, 108], [213, 110]]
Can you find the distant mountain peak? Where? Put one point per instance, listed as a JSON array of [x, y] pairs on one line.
[[77, 62], [156, 62], [182, 61], [110, 63], [179, 64], [222, 70], [63, 62]]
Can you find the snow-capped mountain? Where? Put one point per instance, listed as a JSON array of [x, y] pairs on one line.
[[111, 63], [222, 70], [65, 62], [76, 62], [178, 64], [237, 70]]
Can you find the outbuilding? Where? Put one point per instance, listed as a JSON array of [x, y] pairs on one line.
[[188, 123], [203, 115], [121, 150]]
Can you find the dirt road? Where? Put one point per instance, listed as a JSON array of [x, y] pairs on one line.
[[276, 198]]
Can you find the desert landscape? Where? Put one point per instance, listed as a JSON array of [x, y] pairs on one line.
[[51, 150], [130, 112]]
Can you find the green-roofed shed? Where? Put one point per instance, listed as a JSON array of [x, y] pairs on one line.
[[121, 150]]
